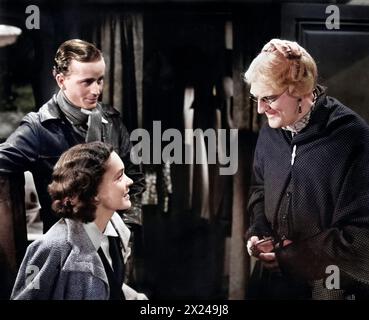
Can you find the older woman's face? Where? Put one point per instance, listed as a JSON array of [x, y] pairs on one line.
[[280, 108]]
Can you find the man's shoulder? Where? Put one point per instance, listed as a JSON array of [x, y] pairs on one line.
[[48, 111], [113, 115], [109, 110]]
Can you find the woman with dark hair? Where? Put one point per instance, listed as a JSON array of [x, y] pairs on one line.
[[83, 255]]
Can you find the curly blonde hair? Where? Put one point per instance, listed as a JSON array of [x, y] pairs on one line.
[[282, 65]]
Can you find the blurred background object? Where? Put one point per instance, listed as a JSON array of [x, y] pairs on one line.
[[34, 223], [8, 34]]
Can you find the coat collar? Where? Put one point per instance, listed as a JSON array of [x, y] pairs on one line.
[[318, 120], [83, 255], [124, 234], [328, 111], [51, 111]]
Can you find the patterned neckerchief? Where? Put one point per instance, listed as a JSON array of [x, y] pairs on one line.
[[300, 124]]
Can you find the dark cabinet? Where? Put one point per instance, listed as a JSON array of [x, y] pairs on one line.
[[342, 54]]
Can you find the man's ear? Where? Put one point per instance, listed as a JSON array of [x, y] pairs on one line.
[[60, 80]]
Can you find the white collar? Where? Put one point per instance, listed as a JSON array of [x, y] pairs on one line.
[[96, 236]]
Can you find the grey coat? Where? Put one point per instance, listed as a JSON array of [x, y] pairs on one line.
[[64, 265]]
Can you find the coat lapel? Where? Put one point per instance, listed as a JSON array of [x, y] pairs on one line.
[[83, 257]]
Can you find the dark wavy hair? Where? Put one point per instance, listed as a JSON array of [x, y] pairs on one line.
[[74, 49], [76, 178]]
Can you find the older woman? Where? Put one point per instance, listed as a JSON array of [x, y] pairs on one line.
[[309, 202], [83, 255]]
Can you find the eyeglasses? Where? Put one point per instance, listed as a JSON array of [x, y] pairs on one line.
[[268, 99]]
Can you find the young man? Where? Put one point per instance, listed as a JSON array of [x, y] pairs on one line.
[[72, 116]]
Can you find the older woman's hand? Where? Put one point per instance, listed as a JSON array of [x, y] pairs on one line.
[[269, 260], [250, 243]]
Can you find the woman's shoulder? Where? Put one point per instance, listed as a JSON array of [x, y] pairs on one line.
[[55, 239], [343, 116]]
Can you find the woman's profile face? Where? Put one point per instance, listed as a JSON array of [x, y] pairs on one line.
[[280, 108], [114, 188]]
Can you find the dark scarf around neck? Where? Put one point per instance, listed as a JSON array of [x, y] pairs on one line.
[[80, 119]]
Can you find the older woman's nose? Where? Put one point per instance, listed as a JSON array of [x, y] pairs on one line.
[[262, 107]]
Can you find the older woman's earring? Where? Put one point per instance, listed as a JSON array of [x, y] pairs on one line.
[[299, 106]]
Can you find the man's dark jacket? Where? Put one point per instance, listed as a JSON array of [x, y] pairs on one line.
[[37, 144], [321, 201]]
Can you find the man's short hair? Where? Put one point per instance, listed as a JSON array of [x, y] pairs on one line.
[[74, 49]]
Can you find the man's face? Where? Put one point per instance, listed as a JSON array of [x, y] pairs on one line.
[[84, 83]]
